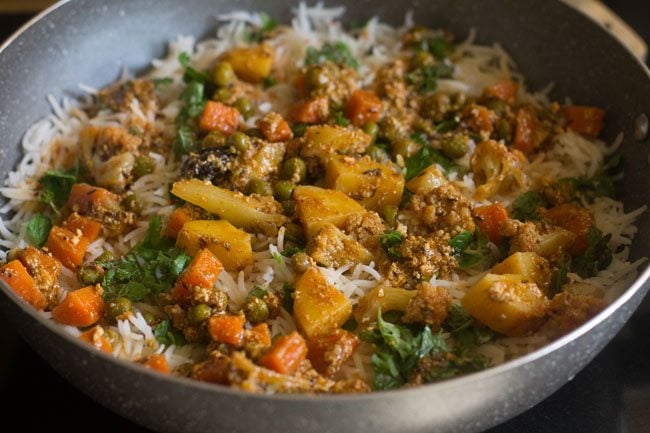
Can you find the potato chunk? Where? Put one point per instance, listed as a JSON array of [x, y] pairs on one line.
[[318, 307], [231, 245], [317, 207], [250, 64], [508, 304], [324, 141], [249, 213], [371, 183], [529, 265], [332, 247]]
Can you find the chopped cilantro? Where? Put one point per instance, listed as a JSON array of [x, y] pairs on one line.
[[525, 206], [290, 252], [338, 53], [56, 186], [261, 32], [427, 156], [465, 330], [398, 350], [193, 98], [158, 82], [287, 296], [151, 267], [340, 119], [425, 79], [390, 241], [38, 229], [596, 257], [470, 249]]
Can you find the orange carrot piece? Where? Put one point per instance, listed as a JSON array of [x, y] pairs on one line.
[[274, 128], [67, 247], [177, 220], [528, 135], [584, 120], [286, 354], [84, 198], [363, 107], [219, 117], [156, 362], [90, 229], [314, 110], [505, 90], [576, 219], [478, 118], [489, 219], [95, 336], [227, 328], [19, 280], [261, 334], [321, 347], [81, 307], [203, 271]]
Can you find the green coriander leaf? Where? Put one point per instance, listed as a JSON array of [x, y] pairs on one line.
[[56, 186], [257, 292], [290, 252], [287, 292], [390, 241], [596, 257], [161, 332], [427, 156], [338, 53], [38, 229], [158, 82], [340, 119], [184, 59], [525, 206]]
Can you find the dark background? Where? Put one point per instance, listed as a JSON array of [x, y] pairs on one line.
[[611, 395]]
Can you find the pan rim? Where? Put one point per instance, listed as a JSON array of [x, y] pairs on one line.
[[463, 381]]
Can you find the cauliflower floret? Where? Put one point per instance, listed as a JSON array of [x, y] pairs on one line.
[[497, 170], [429, 306]]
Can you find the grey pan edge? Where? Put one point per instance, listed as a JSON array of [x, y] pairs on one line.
[[472, 403]]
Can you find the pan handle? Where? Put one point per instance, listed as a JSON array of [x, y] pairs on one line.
[[612, 22]]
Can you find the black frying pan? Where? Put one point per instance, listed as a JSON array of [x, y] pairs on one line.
[[87, 41]]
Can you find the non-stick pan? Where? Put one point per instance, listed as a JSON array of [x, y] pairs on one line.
[[89, 41]]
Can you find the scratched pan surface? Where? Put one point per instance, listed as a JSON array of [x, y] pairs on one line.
[[89, 41]]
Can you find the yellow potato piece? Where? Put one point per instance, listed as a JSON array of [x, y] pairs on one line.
[[317, 207], [318, 307], [251, 64], [371, 183], [529, 265], [231, 245], [324, 141], [509, 304]]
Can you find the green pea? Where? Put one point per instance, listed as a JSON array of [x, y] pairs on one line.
[[198, 314], [377, 153], [299, 129], [389, 213], [497, 105], [316, 78], [404, 146], [116, 308], [213, 139], [300, 262], [455, 146], [259, 186], [294, 169], [284, 189], [240, 141], [389, 130], [244, 106], [256, 309], [90, 274], [106, 256], [371, 129], [223, 75], [420, 59], [293, 232], [132, 204], [143, 165], [149, 317], [503, 129], [222, 94]]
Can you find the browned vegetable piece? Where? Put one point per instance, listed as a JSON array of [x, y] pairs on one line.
[[317, 207], [251, 64], [529, 265], [324, 141], [332, 247], [318, 307], [373, 184], [508, 304], [329, 352]]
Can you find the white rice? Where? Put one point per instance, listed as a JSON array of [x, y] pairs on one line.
[[52, 142]]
